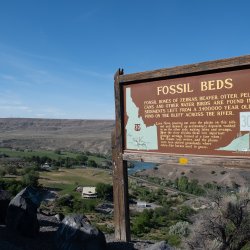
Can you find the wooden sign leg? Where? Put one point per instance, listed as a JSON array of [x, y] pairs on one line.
[[120, 193], [120, 174]]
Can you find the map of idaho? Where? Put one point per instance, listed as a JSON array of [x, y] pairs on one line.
[[138, 136]]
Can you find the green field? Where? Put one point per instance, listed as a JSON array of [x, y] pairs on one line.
[[66, 180], [50, 154], [40, 153]]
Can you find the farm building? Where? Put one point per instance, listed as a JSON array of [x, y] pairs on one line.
[[45, 166], [89, 192]]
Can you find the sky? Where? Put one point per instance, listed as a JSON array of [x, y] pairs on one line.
[[58, 57]]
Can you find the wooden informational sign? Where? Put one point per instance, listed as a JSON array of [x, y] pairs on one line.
[[192, 114], [206, 114]]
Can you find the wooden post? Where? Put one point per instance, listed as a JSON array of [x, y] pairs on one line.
[[249, 141], [120, 175]]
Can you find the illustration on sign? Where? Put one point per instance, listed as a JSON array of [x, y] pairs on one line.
[[138, 135]]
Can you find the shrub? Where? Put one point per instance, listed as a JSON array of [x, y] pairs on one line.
[[181, 228], [10, 169], [92, 163], [82, 159], [12, 186], [2, 172], [65, 200], [142, 223], [57, 151], [227, 224], [104, 191], [106, 228], [192, 187], [70, 204], [30, 178], [174, 240]]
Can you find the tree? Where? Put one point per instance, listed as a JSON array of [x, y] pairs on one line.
[[82, 159], [30, 178], [12, 186], [104, 191], [142, 223], [225, 226], [2, 172], [57, 151], [92, 163], [11, 169]]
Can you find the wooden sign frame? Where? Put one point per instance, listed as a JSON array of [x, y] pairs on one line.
[[120, 157]]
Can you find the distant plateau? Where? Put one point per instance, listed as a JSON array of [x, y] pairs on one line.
[[52, 134]]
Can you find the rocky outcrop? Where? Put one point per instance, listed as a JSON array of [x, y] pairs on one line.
[[4, 202], [162, 245], [22, 212], [76, 233]]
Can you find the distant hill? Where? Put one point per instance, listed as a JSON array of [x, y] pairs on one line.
[[51, 134]]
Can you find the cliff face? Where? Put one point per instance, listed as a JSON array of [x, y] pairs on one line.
[[51, 134]]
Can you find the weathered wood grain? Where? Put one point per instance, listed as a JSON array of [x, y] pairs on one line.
[[120, 178]]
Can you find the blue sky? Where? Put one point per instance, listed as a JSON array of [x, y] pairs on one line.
[[58, 57]]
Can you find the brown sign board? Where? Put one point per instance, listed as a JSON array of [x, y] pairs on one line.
[[199, 110], [204, 114], [192, 114]]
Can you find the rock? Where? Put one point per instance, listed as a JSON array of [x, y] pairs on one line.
[[162, 245], [106, 208], [4, 202], [76, 233], [5, 245], [59, 216], [22, 212]]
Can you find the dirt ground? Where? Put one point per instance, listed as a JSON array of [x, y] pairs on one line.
[[212, 174]]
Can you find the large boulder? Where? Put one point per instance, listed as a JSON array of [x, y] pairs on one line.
[[76, 233], [162, 245], [4, 203], [22, 212]]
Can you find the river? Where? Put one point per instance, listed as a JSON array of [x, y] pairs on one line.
[[139, 166]]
